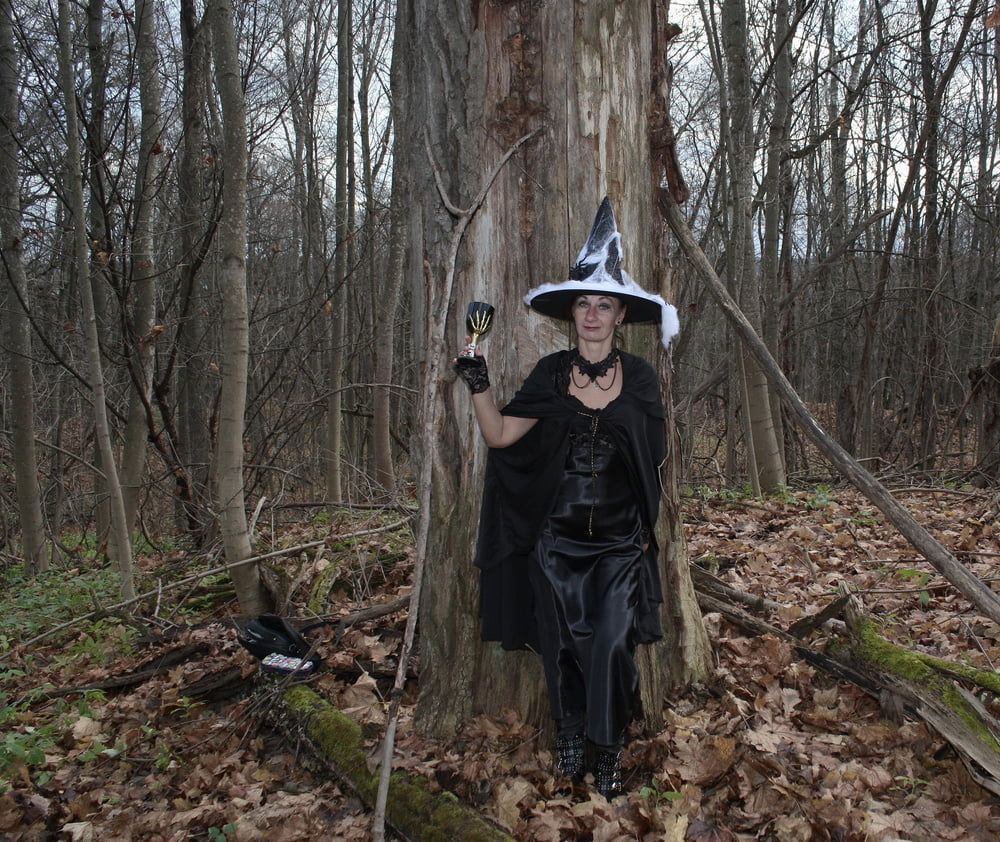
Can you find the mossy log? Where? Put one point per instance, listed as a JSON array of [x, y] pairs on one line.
[[412, 809], [935, 690]]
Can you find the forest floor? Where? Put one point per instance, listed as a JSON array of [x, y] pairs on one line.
[[767, 748]]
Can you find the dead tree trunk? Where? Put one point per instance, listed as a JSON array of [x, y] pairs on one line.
[[475, 86]]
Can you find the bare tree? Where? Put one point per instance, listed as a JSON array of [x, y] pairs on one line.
[[235, 345], [143, 263], [119, 538], [16, 326], [766, 465], [338, 297]]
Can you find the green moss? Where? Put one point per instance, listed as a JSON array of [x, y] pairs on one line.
[[419, 813], [321, 588], [987, 679], [926, 671]]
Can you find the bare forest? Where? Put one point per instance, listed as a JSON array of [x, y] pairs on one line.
[[238, 241]]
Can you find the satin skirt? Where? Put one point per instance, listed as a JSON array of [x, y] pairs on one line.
[[586, 587]]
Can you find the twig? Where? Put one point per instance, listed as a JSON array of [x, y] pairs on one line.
[[371, 613], [325, 504], [435, 349], [256, 514]]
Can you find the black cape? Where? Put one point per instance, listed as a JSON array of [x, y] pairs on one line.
[[521, 485]]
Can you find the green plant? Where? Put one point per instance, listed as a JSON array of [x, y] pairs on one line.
[[736, 492], [25, 747], [652, 793], [784, 494], [221, 834], [164, 757], [917, 577], [184, 705], [821, 497]]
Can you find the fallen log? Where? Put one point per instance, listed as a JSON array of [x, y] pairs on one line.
[[154, 666], [412, 809], [754, 625], [935, 690], [928, 688]]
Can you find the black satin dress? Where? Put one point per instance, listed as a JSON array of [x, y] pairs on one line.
[[586, 586]]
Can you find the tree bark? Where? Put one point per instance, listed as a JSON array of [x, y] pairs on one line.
[[119, 537], [143, 265], [766, 467], [776, 178], [103, 260], [338, 297], [235, 330], [194, 440], [387, 302], [17, 329], [477, 84], [986, 393]]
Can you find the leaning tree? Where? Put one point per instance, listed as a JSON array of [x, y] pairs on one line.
[[581, 79]]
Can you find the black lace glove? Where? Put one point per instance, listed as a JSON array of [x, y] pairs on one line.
[[473, 371]]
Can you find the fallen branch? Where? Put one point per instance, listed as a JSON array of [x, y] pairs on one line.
[[372, 613], [152, 667], [937, 554], [754, 625]]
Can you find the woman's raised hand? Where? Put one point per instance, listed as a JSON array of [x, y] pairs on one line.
[[473, 370]]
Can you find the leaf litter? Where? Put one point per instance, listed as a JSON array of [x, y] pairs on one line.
[[767, 748]]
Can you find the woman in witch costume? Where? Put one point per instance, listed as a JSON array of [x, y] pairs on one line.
[[566, 548]]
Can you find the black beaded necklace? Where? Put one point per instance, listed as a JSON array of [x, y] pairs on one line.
[[594, 370]]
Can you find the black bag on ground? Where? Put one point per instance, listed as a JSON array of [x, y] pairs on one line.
[[270, 634]]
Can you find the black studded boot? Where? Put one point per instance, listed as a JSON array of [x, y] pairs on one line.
[[608, 772], [570, 750]]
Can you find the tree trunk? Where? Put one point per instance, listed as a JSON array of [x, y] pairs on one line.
[[775, 179], [194, 440], [476, 86], [986, 391], [387, 301], [924, 409], [17, 329], [766, 468], [119, 537], [338, 315], [104, 261], [235, 329], [143, 275]]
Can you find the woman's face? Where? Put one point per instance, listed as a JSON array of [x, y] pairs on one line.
[[596, 316]]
